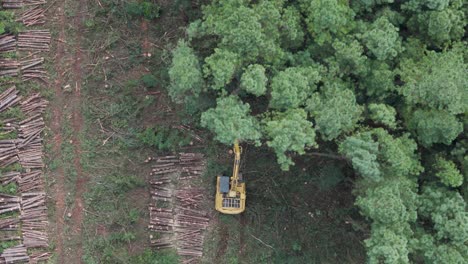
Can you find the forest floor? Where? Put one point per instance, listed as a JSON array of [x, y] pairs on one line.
[[96, 171]]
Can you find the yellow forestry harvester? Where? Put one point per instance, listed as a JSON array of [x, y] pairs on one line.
[[230, 191]]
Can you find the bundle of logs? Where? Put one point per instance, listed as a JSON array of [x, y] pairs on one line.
[[32, 17], [33, 69], [12, 4], [34, 40], [18, 254], [9, 67], [7, 43], [177, 212]]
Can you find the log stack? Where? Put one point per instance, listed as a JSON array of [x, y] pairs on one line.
[[7, 43], [177, 213], [17, 254], [34, 40], [12, 4], [9, 67], [28, 224], [32, 17]]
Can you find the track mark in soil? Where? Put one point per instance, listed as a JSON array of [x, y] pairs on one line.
[[77, 126], [146, 44], [55, 126], [242, 245], [223, 243]]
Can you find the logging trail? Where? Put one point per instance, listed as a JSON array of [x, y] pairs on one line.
[[68, 66], [77, 125], [56, 121]]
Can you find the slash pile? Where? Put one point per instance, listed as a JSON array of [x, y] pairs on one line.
[[177, 213]]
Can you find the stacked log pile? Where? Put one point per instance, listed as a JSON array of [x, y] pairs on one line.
[[9, 67], [177, 213], [12, 4], [7, 43], [18, 254], [34, 40], [33, 69], [32, 17], [9, 98]]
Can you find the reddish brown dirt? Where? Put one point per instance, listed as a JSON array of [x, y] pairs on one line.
[[55, 126], [77, 125]]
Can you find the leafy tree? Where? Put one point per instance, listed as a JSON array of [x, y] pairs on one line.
[[375, 153], [437, 81], [290, 88], [349, 58], [363, 154], [293, 35], [289, 131], [254, 80], [335, 110], [434, 126], [390, 203], [446, 210], [221, 66], [379, 82], [327, 18], [383, 114], [447, 172], [184, 73], [387, 246], [230, 120], [382, 39]]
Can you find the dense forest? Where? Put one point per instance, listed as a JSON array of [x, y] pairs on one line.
[[382, 84]]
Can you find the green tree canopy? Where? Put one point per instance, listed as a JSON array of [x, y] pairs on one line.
[[335, 110], [254, 80], [289, 131], [230, 120], [184, 73]]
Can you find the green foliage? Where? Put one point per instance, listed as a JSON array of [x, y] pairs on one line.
[[163, 138], [363, 154], [289, 131], [221, 66], [146, 9], [349, 57], [8, 23], [379, 82], [437, 81], [10, 189], [387, 246], [391, 203], [383, 114], [184, 73], [382, 39], [254, 80], [446, 211], [149, 80], [375, 153], [230, 120], [335, 110], [291, 87], [155, 257], [447, 172], [434, 126], [326, 19]]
